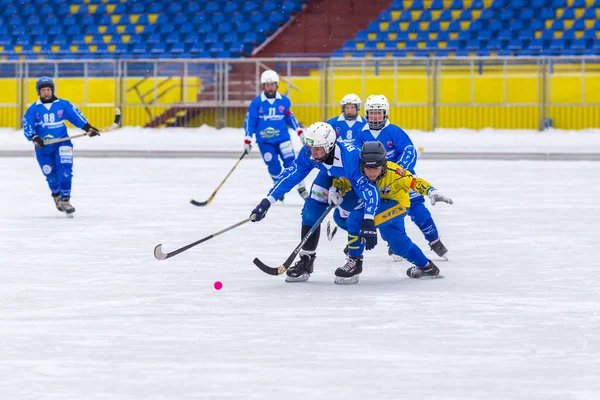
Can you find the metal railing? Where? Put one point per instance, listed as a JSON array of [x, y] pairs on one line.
[[423, 93]]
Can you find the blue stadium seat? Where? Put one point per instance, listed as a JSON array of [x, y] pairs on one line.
[[515, 44], [494, 45], [437, 5], [457, 5], [569, 13], [173, 38]]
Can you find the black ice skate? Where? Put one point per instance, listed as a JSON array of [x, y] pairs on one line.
[[428, 271], [348, 273], [67, 207], [57, 202], [438, 248], [303, 192], [300, 272]]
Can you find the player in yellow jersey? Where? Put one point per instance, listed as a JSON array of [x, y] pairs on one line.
[[394, 184]]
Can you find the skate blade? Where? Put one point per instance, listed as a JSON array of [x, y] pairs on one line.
[[71, 215], [346, 281], [428, 278], [397, 258], [302, 278]]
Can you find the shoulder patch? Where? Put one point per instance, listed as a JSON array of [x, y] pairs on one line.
[[400, 172]]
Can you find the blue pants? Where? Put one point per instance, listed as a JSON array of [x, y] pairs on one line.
[[271, 152], [420, 215], [389, 220], [56, 162], [317, 202]]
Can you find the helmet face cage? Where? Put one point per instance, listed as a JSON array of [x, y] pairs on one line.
[[373, 155], [350, 99], [376, 103]]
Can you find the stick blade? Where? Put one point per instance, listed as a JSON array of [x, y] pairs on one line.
[[269, 270], [158, 253], [199, 203]]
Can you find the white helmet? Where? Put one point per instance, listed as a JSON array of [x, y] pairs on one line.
[[377, 102], [320, 134], [350, 98], [269, 76]]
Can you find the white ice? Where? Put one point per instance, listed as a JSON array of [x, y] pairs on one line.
[[86, 312]]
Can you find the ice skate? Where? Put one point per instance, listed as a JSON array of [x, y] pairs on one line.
[[428, 271], [303, 192], [57, 202], [300, 272], [395, 257], [348, 273], [438, 248], [67, 207]]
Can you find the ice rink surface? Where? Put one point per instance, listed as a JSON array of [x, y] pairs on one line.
[[86, 312]]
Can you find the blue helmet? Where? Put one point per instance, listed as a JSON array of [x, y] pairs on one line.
[[43, 82]]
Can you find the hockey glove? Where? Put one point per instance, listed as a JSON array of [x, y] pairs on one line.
[[335, 196], [260, 211], [38, 142], [300, 133], [91, 131], [368, 233], [247, 146], [437, 196]]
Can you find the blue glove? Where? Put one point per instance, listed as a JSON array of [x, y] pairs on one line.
[[260, 211], [368, 233]]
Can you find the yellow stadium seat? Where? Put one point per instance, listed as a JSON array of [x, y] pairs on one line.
[[380, 45], [55, 48], [404, 26], [115, 19], [456, 14], [412, 36], [435, 15], [415, 15], [101, 28], [110, 8], [568, 23], [400, 45], [112, 48], [558, 34], [93, 48], [538, 34], [442, 45], [133, 18], [36, 49], [453, 35], [464, 25], [433, 35], [396, 15], [371, 36], [152, 18], [88, 38], [120, 28], [383, 26], [107, 38], [421, 45], [74, 8], [139, 29], [125, 38], [578, 34], [18, 49], [360, 45], [73, 48], [424, 26], [92, 9], [444, 25], [392, 35]]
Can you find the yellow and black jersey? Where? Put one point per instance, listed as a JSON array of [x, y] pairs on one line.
[[394, 185]]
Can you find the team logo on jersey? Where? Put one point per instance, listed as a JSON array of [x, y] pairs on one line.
[[385, 190], [337, 129], [260, 110], [281, 109], [37, 116], [60, 113], [390, 143]]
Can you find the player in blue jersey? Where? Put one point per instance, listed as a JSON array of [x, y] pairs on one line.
[[268, 117], [44, 120], [400, 150], [349, 123], [334, 159]]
